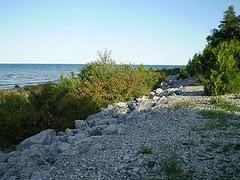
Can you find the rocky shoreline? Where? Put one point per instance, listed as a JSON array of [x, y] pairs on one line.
[[159, 136]]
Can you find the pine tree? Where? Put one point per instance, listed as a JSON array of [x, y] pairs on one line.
[[229, 28]]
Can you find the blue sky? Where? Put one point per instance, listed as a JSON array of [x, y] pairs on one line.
[[137, 31]]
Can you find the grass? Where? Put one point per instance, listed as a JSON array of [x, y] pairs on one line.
[[172, 169], [214, 114], [220, 116], [228, 147], [224, 105], [151, 164], [218, 120], [145, 150], [182, 104]]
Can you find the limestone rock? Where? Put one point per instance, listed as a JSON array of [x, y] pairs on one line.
[[81, 124], [45, 137]]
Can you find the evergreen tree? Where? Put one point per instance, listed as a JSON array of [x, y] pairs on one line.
[[229, 28], [225, 75]]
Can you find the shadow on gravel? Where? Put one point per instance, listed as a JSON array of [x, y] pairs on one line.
[[195, 93]]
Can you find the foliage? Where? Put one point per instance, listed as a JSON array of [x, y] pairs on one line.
[[224, 77], [173, 170], [183, 74], [145, 150], [57, 105], [173, 71], [229, 28], [220, 117], [225, 105], [218, 65], [13, 108]]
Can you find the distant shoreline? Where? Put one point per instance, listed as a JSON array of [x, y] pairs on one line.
[[22, 75]]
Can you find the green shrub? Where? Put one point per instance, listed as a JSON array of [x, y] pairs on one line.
[[218, 65], [173, 71], [224, 76], [13, 111], [183, 74], [58, 105]]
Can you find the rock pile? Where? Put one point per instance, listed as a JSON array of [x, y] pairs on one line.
[[123, 141]]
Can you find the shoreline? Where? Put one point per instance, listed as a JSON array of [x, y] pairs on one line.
[[130, 140]]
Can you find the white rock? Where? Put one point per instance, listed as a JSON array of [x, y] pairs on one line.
[[152, 94], [45, 137], [156, 98], [159, 91], [119, 111], [121, 104], [144, 103]]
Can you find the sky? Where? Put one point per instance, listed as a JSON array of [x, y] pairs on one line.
[[156, 32]]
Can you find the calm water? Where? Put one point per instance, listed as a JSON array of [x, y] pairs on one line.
[[31, 74]]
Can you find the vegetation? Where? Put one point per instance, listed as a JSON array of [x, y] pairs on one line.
[[151, 164], [218, 66], [183, 104], [221, 116], [145, 150], [224, 105], [173, 71], [24, 112], [172, 169]]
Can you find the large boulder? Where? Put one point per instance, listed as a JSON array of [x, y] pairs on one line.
[[45, 137]]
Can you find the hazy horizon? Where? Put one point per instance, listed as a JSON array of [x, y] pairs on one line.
[[152, 32]]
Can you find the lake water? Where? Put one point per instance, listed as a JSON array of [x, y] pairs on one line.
[[32, 74]]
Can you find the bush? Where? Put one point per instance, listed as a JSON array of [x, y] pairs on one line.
[[57, 106], [218, 65], [13, 111], [183, 74], [225, 75], [173, 71]]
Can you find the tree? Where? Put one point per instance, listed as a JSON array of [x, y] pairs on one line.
[[229, 28], [224, 76]]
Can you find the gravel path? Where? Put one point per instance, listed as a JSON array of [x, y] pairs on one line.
[[163, 136]]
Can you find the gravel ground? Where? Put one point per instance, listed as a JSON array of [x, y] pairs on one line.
[[163, 136]]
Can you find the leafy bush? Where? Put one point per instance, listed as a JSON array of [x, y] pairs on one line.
[[13, 110], [57, 106], [224, 76], [218, 65], [173, 71], [183, 74]]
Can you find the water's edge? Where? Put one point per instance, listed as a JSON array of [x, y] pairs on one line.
[[34, 74]]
